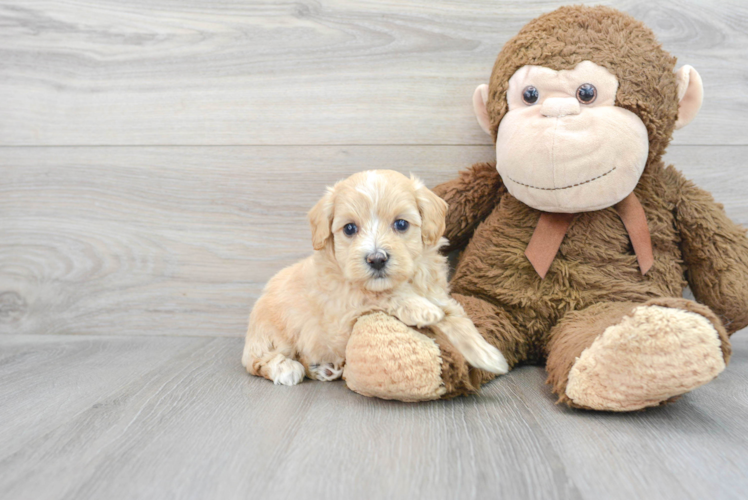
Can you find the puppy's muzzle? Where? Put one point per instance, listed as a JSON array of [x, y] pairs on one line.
[[377, 260]]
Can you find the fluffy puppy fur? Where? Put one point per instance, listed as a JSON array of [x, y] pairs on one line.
[[376, 237]]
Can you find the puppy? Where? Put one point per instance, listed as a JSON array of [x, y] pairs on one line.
[[376, 237]]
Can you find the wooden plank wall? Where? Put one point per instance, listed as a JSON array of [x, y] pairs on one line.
[[157, 157]]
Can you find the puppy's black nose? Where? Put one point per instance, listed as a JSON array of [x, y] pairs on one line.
[[377, 260]]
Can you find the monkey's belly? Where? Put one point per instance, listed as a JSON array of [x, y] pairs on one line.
[[595, 263]]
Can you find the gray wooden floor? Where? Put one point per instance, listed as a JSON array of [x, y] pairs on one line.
[[171, 417], [157, 159]]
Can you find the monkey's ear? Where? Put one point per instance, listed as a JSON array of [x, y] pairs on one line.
[[320, 218], [690, 95], [480, 98], [433, 211]]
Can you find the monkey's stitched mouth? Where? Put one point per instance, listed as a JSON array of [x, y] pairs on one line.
[[565, 187]]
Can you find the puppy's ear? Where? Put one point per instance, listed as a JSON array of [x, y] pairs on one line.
[[320, 218], [433, 212]]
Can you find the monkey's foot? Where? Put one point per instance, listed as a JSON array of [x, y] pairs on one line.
[[387, 359], [651, 356]]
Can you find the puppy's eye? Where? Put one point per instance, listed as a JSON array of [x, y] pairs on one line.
[[530, 95], [350, 229], [587, 93], [401, 225]]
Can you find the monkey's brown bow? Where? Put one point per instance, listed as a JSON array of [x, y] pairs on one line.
[[551, 229]]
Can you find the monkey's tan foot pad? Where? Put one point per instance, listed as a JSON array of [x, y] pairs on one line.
[[652, 355], [388, 360]]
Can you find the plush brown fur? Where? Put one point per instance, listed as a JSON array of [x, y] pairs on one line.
[[624, 46], [692, 238], [594, 280]]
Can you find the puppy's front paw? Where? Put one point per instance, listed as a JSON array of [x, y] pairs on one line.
[[326, 372], [287, 372], [419, 312], [463, 335], [483, 355]]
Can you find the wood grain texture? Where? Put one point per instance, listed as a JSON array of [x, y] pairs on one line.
[[176, 241], [180, 241], [164, 72], [125, 417]]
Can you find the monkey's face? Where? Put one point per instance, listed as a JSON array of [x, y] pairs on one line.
[[563, 145]]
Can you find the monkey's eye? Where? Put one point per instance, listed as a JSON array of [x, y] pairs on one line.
[[350, 229], [530, 95], [401, 225], [587, 93]]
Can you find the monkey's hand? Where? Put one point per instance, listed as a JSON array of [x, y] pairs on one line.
[[471, 198], [715, 250]]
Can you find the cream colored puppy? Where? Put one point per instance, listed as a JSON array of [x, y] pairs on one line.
[[376, 237]]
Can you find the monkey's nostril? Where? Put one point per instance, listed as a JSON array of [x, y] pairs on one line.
[[377, 260]]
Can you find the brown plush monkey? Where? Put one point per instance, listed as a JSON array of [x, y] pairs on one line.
[[578, 243]]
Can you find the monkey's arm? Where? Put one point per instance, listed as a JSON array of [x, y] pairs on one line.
[[715, 250], [471, 198]]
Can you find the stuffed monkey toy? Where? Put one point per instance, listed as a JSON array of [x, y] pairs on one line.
[[577, 244]]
